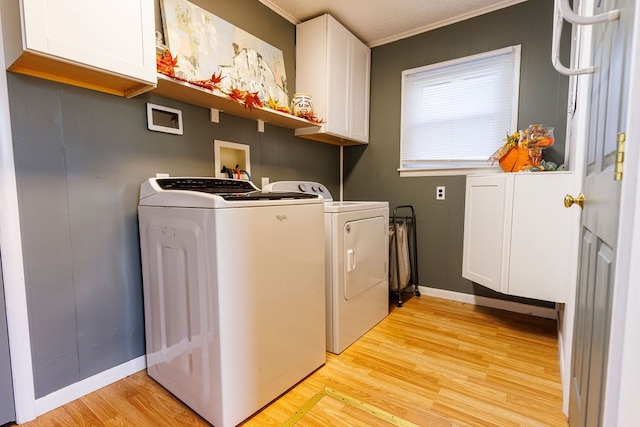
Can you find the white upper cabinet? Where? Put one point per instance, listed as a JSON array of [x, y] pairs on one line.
[[107, 46], [359, 112], [333, 66], [517, 234]]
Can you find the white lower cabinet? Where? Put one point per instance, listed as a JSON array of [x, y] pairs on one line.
[[516, 233]]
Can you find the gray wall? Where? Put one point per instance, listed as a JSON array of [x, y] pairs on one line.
[[371, 172], [80, 158], [7, 412]]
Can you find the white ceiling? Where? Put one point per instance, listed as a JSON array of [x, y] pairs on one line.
[[377, 22]]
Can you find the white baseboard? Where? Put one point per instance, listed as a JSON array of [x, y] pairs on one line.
[[516, 307], [88, 385]]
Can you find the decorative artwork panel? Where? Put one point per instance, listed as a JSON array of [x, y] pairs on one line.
[[205, 45]]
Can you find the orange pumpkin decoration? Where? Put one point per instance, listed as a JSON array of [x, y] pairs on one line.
[[516, 159]]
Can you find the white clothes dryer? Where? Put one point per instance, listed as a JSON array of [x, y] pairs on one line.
[[356, 263], [233, 284]]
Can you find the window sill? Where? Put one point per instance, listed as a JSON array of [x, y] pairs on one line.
[[412, 173]]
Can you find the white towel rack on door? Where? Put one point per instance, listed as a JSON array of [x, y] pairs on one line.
[[563, 12]]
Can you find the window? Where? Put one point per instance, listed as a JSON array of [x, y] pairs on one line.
[[455, 114]]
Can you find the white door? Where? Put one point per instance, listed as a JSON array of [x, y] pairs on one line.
[[365, 252], [600, 219], [7, 412]]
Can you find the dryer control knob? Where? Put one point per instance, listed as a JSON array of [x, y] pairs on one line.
[[302, 188]]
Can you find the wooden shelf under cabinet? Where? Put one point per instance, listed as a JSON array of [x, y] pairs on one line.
[[194, 95], [78, 75], [327, 138]]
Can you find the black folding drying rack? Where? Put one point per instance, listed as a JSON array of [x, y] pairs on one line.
[[412, 241]]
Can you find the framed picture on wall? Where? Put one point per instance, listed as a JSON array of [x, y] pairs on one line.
[[207, 44]]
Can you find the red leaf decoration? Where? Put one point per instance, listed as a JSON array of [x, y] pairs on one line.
[[251, 100], [236, 94], [165, 63], [308, 115], [211, 84], [216, 79]]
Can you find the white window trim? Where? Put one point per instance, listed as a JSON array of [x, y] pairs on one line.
[[412, 173], [452, 171]]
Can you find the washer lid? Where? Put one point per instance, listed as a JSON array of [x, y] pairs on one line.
[[337, 207]]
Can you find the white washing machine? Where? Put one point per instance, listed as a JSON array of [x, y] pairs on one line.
[[356, 270], [234, 294]]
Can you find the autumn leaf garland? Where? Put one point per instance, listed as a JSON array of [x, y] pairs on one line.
[[212, 84], [166, 64]]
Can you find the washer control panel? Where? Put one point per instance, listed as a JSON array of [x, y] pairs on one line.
[[308, 187]]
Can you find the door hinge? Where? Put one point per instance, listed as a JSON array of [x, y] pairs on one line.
[[617, 175]]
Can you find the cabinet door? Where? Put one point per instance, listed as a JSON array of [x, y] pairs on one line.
[[540, 236], [115, 36], [359, 79], [339, 40], [365, 252], [487, 228]]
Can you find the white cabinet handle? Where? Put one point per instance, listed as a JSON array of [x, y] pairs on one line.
[[351, 260], [564, 12]]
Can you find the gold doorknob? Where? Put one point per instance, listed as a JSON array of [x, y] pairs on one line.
[[569, 200]]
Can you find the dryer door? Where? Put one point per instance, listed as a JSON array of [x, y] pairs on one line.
[[364, 254]]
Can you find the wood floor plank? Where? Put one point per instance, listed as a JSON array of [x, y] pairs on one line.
[[433, 362]]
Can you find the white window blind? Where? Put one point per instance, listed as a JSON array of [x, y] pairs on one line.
[[455, 114]]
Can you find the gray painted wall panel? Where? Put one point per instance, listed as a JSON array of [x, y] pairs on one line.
[[371, 172], [39, 157], [80, 158], [98, 136]]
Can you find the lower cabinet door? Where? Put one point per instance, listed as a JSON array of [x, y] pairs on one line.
[[540, 242]]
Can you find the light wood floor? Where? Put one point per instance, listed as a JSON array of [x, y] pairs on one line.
[[433, 362]]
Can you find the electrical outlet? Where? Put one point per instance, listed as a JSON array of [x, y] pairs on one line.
[[440, 192]]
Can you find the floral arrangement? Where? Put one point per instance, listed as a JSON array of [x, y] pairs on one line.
[[523, 150], [166, 64]]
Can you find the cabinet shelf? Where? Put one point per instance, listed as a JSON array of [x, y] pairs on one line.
[[194, 95]]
